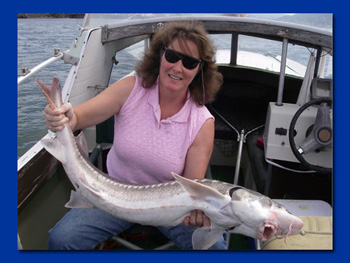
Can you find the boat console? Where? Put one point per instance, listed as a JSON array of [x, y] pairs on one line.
[[302, 132]]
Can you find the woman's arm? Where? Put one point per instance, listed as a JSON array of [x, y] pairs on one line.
[[197, 161], [93, 111], [198, 155]]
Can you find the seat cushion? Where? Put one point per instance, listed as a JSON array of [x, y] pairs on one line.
[[316, 234]]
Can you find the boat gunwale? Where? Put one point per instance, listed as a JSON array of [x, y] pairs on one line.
[[275, 30]]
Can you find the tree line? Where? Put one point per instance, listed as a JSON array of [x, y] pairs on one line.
[[49, 15]]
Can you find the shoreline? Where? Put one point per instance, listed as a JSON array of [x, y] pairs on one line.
[[49, 15]]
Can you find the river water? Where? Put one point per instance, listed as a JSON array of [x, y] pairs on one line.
[[37, 39]]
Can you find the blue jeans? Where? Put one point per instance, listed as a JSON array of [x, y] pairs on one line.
[[83, 229]]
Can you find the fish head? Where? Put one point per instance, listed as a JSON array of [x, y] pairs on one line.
[[288, 224], [260, 216]]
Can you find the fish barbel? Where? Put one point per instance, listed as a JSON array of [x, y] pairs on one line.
[[228, 206]]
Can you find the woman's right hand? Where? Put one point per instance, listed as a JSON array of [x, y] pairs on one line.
[[57, 118]]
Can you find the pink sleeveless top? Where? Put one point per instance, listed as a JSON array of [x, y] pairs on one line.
[[146, 149]]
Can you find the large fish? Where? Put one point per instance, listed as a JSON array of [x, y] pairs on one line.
[[228, 206]]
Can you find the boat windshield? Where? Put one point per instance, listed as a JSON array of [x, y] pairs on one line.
[[321, 21], [96, 20], [268, 50]]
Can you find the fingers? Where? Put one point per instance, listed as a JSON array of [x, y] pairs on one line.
[[68, 109], [55, 119], [197, 219], [206, 221]]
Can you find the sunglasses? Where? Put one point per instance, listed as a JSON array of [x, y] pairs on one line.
[[173, 56]]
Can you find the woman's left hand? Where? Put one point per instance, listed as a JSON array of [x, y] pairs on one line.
[[197, 219]]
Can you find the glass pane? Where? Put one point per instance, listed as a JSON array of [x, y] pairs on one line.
[[269, 55]]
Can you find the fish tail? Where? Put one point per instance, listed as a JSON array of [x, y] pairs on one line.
[[52, 94]]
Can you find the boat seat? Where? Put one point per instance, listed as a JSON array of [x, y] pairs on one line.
[[139, 237], [258, 164], [317, 232]]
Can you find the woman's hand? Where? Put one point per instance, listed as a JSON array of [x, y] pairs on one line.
[[55, 119], [197, 219]]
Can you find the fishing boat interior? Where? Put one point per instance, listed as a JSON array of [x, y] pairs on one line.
[[273, 120]]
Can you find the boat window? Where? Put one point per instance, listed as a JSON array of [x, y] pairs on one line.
[[126, 61], [96, 20], [326, 67], [269, 55], [222, 44]]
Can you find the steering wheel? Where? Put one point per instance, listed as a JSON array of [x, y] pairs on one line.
[[320, 136]]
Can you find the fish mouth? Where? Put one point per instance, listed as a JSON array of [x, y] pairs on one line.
[[266, 231]]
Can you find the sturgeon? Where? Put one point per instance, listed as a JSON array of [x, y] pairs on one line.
[[228, 206]]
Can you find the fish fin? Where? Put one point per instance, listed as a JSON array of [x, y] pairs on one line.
[[77, 201], [54, 147], [205, 237], [82, 144], [200, 191]]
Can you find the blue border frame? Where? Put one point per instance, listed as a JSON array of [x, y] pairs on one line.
[[9, 130]]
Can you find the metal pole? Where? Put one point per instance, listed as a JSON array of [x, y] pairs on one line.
[[234, 49], [282, 72], [40, 67], [239, 156]]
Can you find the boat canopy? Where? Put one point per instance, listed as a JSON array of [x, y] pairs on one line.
[[118, 26]]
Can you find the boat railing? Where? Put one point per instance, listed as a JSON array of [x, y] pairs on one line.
[[27, 73]]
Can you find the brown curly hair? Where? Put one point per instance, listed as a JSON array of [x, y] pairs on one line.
[[148, 67]]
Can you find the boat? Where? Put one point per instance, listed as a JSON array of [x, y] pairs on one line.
[[265, 110]]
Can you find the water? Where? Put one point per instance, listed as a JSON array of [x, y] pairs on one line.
[[37, 39]]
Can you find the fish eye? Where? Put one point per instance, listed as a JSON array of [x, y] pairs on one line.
[[266, 202]]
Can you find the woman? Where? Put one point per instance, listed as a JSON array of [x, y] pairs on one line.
[[161, 126]]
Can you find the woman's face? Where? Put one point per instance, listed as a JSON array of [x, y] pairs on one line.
[[174, 76]]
